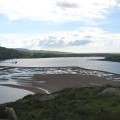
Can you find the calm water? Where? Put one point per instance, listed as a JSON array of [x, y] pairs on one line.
[[85, 62], [8, 94]]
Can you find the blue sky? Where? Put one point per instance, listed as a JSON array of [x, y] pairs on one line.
[[65, 25]]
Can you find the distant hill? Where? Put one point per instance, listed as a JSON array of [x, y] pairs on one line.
[[21, 49], [115, 58], [9, 53], [6, 53]]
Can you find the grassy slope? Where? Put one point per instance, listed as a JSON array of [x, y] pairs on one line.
[[69, 104], [9, 53], [115, 58], [6, 53]]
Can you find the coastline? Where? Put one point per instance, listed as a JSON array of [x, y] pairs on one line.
[[28, 88], [52, 79], [56, 82]]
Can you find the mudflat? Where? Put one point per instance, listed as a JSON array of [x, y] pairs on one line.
[[49, 83]]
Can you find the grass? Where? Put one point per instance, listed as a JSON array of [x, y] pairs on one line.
[[115, 58], [69, 104]]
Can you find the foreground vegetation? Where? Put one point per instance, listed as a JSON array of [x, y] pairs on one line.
[[94, 103]]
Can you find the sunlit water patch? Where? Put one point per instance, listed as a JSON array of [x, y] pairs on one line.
[[84, 62], [11, 94]]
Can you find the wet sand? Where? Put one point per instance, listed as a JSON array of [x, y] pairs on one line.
[[49, 83], [32, 89], [61, 81]]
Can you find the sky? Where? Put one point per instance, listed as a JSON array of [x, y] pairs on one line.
[[79, 26]]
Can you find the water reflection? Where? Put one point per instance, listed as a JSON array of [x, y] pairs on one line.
[[11, 94], [85, 62]]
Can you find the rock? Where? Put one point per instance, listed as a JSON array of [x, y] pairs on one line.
[[3, 114], [46, 97], [110, 92], [11, 113]]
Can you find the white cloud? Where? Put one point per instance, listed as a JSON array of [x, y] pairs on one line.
[[56, 10], [86, 39]]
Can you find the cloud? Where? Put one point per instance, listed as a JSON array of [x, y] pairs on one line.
[[61, 43], [67, 5], [51, 43], [56, 10], [79, 42], [86, 39]]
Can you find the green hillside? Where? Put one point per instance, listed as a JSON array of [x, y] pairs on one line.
[[9, 53], [115, 58], [94, 103], [6, 53]]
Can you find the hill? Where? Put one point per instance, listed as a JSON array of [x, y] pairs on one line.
[[93, 103], [115, 58], [6, 53]]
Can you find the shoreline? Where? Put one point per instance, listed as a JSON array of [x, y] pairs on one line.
[[28, 88], [61, 78], [56, 82], [63, 67]]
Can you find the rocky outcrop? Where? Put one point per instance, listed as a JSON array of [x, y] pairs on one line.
[[7, 114], [110, 92]]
